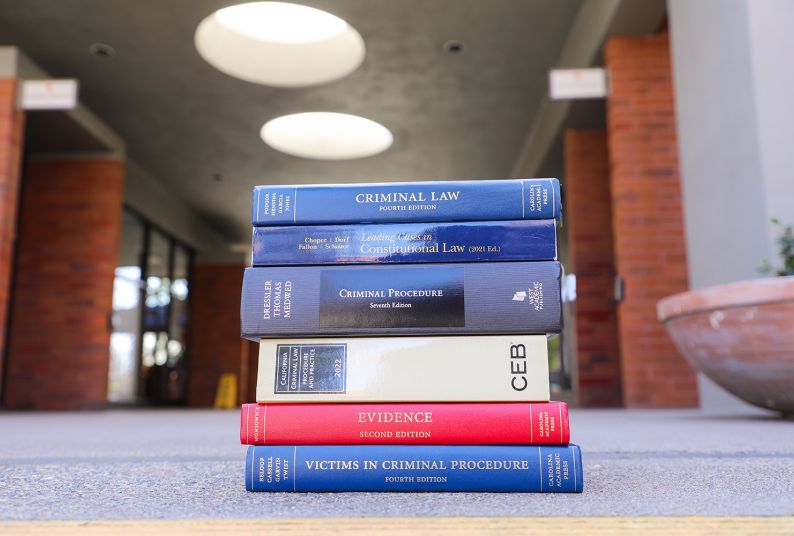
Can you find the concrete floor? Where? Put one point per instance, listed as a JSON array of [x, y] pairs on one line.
[[172, 464]]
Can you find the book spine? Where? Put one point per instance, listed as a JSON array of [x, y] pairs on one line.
[[512, 368], [401, 468], [518, 199], [406, 243], [541, 423], [471, 298]]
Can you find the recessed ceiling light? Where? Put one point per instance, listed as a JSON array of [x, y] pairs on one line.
[[280, 22], [326, 136], [279, 44], [454, 46], [103, 50]]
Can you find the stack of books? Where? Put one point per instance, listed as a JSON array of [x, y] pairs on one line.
[[403, 339]]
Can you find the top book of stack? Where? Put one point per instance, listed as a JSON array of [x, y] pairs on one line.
[[475, 200]]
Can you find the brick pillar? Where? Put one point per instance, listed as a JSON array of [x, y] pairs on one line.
[[69, 233], [588, 224], [215, 343], [650, 252], [11, 139]]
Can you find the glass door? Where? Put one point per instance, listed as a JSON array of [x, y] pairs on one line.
[[124, 338], [148, 361]]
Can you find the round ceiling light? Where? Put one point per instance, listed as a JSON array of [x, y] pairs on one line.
[[326, 136], [279, 44]]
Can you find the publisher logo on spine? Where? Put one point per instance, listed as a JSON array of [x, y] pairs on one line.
[[311, 368], [533, 295]]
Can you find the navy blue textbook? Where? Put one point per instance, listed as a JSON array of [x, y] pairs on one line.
[[523, 240], [527, 468], [404, 299], [474, 200]]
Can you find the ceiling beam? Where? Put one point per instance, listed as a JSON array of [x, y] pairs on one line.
[[594, 23], [84, 118], [142, 192]]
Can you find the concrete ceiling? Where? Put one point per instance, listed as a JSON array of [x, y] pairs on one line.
[[195, 129]]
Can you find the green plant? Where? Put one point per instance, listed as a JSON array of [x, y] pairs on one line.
[[785, 244]]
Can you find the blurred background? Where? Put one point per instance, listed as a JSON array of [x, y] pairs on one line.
[[132, 133]]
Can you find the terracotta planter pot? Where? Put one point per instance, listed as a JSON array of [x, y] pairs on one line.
[[740, 335]]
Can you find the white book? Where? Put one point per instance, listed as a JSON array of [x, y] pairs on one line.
[[504, 368]]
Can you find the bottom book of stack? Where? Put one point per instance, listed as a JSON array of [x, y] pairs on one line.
[[498, 447], [414, 468]]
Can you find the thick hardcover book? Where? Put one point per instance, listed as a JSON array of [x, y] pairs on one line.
[[407, 299], [310, 204], [511, 423], [414, 468], [511, 368], [406, 243]]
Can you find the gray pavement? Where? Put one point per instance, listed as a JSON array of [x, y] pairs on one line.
[[171, 464]]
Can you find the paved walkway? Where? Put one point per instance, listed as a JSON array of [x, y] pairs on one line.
[[415, 526], [172, 464]]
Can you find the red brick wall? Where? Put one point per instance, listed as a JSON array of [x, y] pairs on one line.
[[69, 232], [588, 224], [647, 218], [11, 138], [215, 343]]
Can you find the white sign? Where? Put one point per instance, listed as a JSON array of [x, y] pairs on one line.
[[48, 94], [577, 84]]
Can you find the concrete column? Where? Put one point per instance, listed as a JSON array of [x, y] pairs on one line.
[[733, 79], [69, 232], [588, 225]]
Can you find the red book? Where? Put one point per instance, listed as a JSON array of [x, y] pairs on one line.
[[497, 423]]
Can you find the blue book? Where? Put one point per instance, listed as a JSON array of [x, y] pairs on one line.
[[405, 299], [322, 204], [414, 468], [523, 240]]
